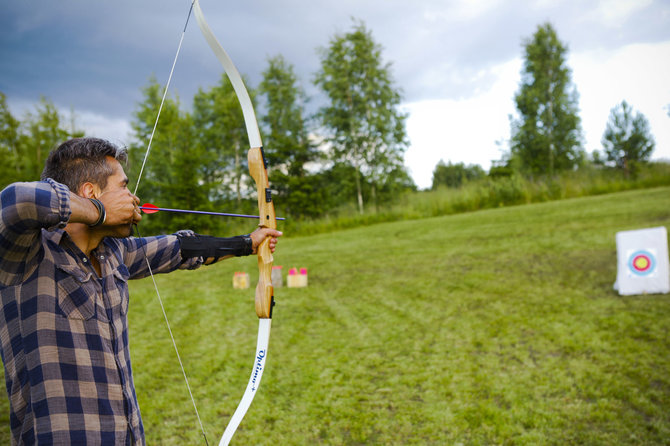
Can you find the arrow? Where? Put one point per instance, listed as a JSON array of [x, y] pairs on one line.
[[149, 208]]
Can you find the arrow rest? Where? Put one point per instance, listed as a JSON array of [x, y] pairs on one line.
[[265, 160]]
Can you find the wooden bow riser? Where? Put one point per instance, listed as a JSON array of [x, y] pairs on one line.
[[266, 209]]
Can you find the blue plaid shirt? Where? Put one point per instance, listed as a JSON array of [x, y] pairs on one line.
[[63, 329]]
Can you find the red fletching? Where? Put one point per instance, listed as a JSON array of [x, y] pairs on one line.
[[149, 208]]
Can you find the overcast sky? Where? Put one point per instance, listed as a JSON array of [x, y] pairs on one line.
[[457, 62]]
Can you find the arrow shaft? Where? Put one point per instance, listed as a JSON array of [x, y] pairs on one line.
[[185, 211]]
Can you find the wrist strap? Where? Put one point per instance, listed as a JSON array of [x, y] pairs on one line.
[[102, 215]]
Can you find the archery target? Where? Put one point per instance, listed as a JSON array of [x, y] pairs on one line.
[[642, 263]]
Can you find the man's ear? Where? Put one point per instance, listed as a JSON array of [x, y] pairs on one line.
[[89, 190]]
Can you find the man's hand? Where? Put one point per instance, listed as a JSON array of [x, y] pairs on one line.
[[121, 207], [261, 234]]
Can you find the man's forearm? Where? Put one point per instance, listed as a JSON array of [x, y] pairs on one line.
[[213, 249], [83, 210], [27, 208], [31, 206]]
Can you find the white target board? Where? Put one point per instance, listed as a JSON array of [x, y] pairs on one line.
[[643, 266]]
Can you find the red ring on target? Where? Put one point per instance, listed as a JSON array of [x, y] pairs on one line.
[[642, 263]]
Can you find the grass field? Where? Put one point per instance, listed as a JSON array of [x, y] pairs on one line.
[[491, 327]]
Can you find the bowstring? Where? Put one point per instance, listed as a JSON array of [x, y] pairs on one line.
[[174, 343], [137, 185], [165, 91]]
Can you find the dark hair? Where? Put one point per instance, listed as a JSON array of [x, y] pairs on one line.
[[80, 160]]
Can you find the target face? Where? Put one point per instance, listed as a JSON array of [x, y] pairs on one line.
[[642, 263]]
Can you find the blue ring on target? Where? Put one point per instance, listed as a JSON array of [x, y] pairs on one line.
[[642, 263]]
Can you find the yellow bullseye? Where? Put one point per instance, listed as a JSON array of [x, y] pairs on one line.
[[641, 263]]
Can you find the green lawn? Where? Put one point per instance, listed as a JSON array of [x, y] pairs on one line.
[[492, 327]]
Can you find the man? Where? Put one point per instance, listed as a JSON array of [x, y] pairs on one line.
[[65, 258]]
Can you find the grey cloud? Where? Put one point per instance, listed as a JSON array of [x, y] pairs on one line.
[[97, 55]]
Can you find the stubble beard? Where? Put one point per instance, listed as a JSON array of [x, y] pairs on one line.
[[121, 231]]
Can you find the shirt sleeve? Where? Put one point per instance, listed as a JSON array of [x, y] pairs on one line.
[[163, 253], [27, 208]]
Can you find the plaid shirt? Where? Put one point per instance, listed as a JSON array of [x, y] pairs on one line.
[[63, 329]]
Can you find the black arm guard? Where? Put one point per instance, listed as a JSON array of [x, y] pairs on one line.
[[208, 246]]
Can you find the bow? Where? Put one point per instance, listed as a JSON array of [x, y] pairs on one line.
[[258, 169]]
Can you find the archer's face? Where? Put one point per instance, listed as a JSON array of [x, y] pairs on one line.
[[118, 179], [115, 182]]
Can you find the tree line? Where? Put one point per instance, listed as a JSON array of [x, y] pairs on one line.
[[350, 150], [348, 153]]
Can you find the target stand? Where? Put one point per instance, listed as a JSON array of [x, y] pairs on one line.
[[643, 266]]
